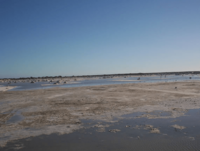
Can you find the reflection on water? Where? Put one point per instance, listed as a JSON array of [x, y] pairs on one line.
[[134, 134], [93, 82]]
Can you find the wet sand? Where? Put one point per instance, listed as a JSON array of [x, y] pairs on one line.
[[61, 110]]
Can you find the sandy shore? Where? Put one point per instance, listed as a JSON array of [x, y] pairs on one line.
[[59, 110], [6, 88]]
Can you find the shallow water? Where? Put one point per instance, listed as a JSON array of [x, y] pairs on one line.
[[132, 135], [17, 117], [109, 81]]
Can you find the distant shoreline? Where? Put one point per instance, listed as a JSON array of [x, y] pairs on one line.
[[109, 75]]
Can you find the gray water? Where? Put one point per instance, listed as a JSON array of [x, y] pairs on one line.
[[128, 138], [95, 82], [17, 117]]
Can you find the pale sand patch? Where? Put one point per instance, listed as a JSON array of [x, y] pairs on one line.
[[101, 128], [114, 130], [155, 130], [6, 88], [151, 128], [178, 127]]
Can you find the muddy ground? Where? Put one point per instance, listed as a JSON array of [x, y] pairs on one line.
[[60, 110]]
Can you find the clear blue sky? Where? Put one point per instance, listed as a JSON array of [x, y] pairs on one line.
[[81, 37]]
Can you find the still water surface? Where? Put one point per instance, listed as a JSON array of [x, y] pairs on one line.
[[129, 137]]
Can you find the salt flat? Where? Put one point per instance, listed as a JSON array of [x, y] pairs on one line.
[[60, 110]]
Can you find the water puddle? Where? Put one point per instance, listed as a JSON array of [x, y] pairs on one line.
[[127, 133], [3, 102], [17, 117]]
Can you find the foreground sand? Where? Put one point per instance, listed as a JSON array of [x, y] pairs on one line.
[[59, 110]]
